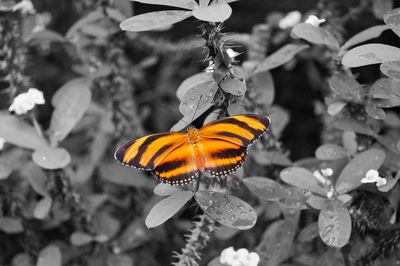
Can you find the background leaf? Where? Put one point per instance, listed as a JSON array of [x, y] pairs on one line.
[[334, 224], [302, 178], [330, 152], [51, 158], [49, 256], [365, 35], [227, 209], [213, 13], [186, 4], [355, 170], [167, 208], [11, 225], [265, 188], [193, 81], [369, 54], [316, 35], [392, 19]]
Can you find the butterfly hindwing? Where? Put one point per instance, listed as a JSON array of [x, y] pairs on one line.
[[178, 167], [240, 129], [222, 157], [146, 152]]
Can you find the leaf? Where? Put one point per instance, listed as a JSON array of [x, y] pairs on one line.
[[330, 152], [391, 182], [186, 4], [262, 88], [233, 86], [125, 7], [119, 260], [167, 208], [106, 224], [280, 57], [309, 232], [227, 209], [79, 238], [20, 133], [355, 126], [70, 102], [153, 20], [276, 243], [375, 112], [279, 118], [264, 157], [265, 188], [193, 81], [296, 198], [42, 208], [198, 97], [391, 69], [11, 225], [5, 168], [335, 107], [204, 3], [116, 173], [316, 35], [213, 13], [346, 87], [91, 17], [302, 178], [51, 158], [22, 259], [390, 140], [316, 202], [164, 190], [355, 170], [334, 224], [236, 109], [38, 37], [365, 35], [36, 178], [135, 235], [49, 256], [369, 54], [384, 88], [392, 19], [332, 257]]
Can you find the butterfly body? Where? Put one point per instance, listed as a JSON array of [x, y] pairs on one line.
[[219, 148]]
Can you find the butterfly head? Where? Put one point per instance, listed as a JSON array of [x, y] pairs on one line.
[[193, 135]]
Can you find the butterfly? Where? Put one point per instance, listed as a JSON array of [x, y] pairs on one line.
[[176, 158]]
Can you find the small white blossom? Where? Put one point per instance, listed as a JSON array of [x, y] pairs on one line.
[[25, 6], [330, 193], [323, 177], [210, 67], [372, 176], [291, 19], [327, 172], [25, 102], [2, 142], [241, 257], [232, 53], [314, 20]]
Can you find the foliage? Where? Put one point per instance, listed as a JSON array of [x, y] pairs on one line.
[[64, 200]]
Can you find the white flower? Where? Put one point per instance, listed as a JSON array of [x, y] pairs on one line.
[[2, 142], [241, 257], [232, 53], [372, 176], [314, 20], [210, 67], [25, 102], [291, 19], [25, 6], [327, 172]]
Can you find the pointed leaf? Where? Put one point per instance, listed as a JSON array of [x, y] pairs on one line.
[[70, 102], [233, 86], [276, 242], [186, 4], [334, 224], [316, 35], [51, 158], [167, 208], [330, 152], [355, 170], [213, 13], [280, 57], [20, 133], [227, 209], [392, 19], [265, 188], [302, 178], [365, 35], [154, 20], [369, 54], [49, 256], [391, 69]]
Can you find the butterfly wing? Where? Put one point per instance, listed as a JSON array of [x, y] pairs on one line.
[[240, 129], [148, 151], [222, 157], [178, 167]]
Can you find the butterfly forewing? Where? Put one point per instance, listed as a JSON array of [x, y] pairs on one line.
[[241, 129], [178, 167], [146, 152]]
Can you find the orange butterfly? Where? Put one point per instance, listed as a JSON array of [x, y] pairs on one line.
[[220, 147]]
